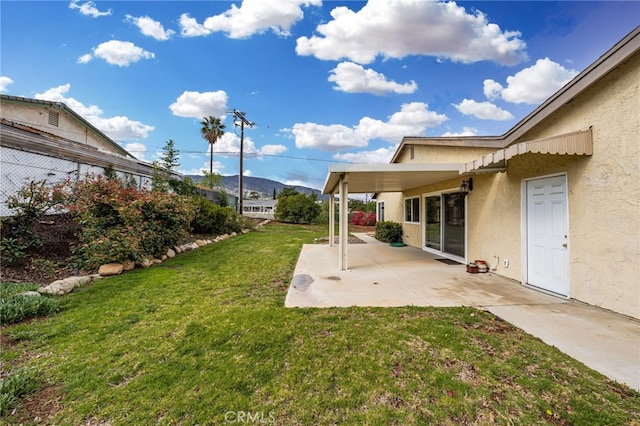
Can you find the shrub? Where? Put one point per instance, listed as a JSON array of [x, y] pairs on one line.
[[389, 232], [29, 204], [361, 218], [294, 207], [20, 307], [20, 383], [122, 223], [211, 218]]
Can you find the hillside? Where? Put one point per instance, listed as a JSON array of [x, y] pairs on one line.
[[262, 186]]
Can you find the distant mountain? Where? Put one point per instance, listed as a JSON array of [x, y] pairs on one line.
[[264, 187]]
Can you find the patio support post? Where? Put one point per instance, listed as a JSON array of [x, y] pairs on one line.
[[343, 222], [332, 219]]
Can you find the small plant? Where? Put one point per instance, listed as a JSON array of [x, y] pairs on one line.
[[19, 383], [13, 250], [389, 232], [19, 307]]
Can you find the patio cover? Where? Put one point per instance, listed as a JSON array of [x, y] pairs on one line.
[[364, 178]]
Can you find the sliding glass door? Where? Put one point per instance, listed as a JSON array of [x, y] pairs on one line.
[[444, 224]]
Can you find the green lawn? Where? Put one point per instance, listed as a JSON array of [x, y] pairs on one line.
[[205, 339]]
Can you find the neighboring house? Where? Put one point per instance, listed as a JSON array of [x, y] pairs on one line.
[[48, 140], [260, 209], [553, 203]]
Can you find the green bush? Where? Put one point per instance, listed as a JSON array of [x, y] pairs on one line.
[[389, 232], [213, 219], [20, 383], [20, 307], [122, 223], [294, 207]]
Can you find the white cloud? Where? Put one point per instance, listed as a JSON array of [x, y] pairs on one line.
[[272, 149], [150, 28], [483, 110], [200, 104], [353, 78], [333, 137], [466, 131], [378, 156], [492, 89], [398, 28], [531, 85], [117, 128], [252, 17], [247, 172], [412, 119], [116, 52], [88, 8], [4, 83], [138, 150], [229, 146], [200, 171]]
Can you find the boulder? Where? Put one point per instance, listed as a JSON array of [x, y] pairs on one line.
[[64, 286], [177, 249], [201, 243], [156, 261], [171, 253], [110, 269], [145, 263], [128, 265]]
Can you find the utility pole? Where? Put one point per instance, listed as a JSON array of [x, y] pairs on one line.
[[240, 116]]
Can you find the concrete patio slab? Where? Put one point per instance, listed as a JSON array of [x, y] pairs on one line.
[[380, 275]]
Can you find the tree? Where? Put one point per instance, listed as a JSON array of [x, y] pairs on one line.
[[170, 157], [212, 129], [162, 168]]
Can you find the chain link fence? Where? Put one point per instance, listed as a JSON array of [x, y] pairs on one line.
[[18, 167]]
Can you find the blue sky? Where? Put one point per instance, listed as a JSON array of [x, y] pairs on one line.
[[324, 81]]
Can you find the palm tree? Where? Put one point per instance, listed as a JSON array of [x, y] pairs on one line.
[[212, 129]]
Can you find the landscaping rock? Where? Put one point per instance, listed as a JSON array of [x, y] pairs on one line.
[[177, 249], [201, 243], [171, 253], [110, 269], [145, 263], [156, 261], [64, 286], [128, 265], [30, 294]]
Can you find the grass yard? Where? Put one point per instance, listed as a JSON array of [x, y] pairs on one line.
[[205, 339]]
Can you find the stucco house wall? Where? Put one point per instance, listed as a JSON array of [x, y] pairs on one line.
[[603, 199], [603, 193], [453, 151]]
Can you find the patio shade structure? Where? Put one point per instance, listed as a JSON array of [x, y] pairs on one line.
[[366, 178]]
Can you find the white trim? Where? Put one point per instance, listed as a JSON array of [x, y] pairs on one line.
[[404, 210], [424, 224]]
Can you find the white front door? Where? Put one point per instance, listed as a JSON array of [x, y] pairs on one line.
[[547, 251]]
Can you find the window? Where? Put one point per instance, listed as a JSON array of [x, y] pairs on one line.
[[412, 210], [380, 217]]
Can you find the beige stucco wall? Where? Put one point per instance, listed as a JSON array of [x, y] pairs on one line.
[[37, 116], [394, 202], [604, 196]]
